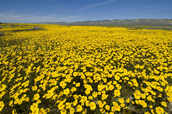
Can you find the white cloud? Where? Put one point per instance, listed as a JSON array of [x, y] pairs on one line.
[[12, 17], [102, 3]]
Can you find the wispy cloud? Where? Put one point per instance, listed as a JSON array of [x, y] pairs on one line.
[[98, 4], [12, 17]]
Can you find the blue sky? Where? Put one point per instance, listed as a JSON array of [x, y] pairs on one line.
[[80, 10]]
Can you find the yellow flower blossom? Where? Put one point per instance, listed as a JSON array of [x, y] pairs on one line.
[[1, 105], [36, 97], [159, 110], [66, 91], [92, 105], [79, 108]]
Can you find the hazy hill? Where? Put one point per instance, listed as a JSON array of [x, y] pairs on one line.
[[133, 23], [151, 22]]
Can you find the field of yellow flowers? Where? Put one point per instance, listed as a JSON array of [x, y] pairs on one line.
[[84, 69]]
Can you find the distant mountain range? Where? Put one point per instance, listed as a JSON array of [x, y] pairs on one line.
[[152, 22], [132, 23]]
